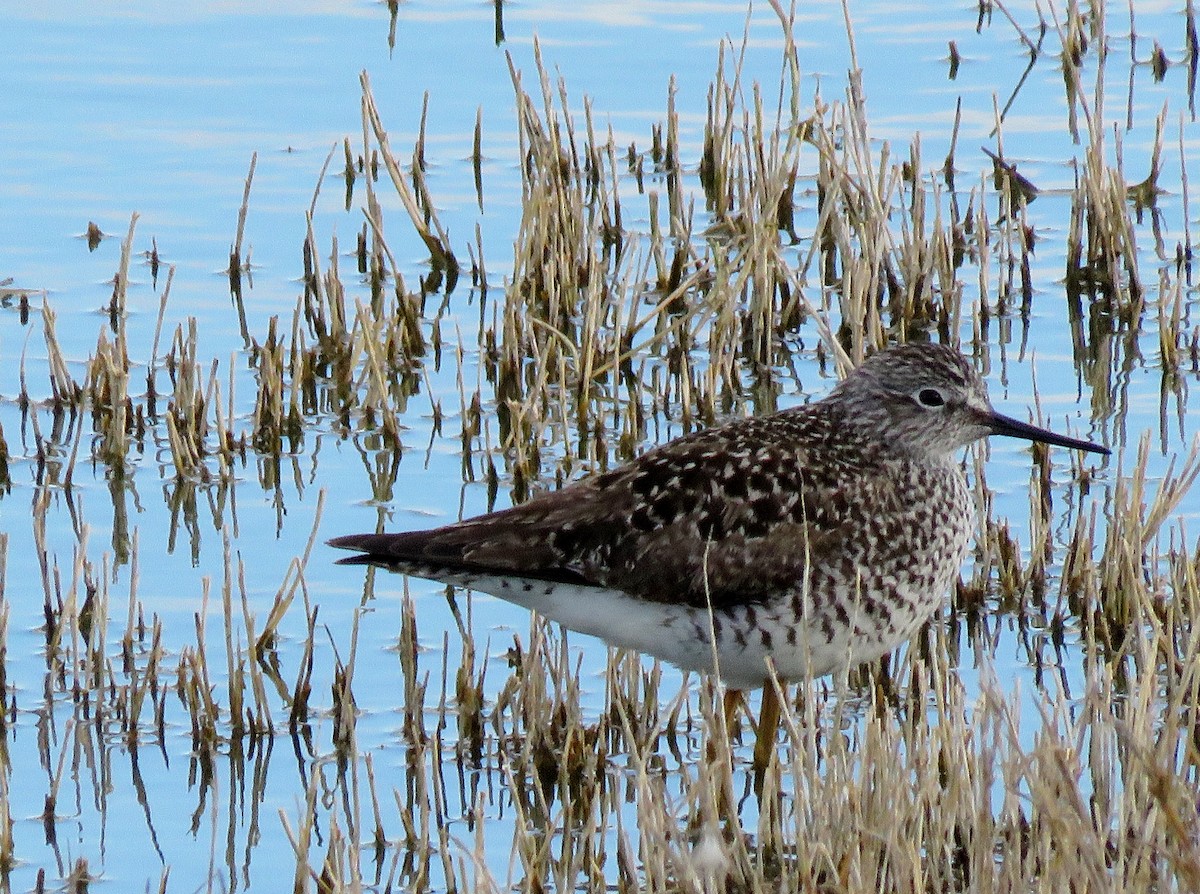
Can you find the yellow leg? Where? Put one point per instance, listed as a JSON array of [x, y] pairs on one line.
[[768, 727], [733, 701]]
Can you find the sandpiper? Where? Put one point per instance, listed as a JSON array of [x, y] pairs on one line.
[[815, 538]]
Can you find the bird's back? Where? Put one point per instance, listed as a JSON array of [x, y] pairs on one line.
[[726, 515]]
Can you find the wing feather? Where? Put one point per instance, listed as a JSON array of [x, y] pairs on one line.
[[725, 516]]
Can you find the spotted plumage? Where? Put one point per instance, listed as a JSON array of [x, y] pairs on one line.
[[819, 537]]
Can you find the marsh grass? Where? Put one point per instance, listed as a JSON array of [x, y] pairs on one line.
[[904, 777]]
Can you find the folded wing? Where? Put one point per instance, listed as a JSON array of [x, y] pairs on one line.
[[685, 523]]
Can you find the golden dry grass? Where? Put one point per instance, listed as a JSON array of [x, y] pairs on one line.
[[903, 778]]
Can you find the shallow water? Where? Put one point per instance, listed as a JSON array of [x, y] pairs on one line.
[[107, 114]]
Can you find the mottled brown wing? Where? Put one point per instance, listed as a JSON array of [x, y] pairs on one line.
[[729, 515], [520, 541], [734, 525]]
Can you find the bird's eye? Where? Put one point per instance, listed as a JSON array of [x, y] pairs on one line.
[[930, 397]]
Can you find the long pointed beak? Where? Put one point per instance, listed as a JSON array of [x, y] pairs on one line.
[[1014, 428]]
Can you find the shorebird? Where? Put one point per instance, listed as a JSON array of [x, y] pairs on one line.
[[810, 540]]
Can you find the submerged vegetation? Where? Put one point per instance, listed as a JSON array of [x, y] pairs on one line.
[[791, 247]]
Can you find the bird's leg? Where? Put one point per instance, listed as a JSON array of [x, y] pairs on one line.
[[768, 726], [733, 700]]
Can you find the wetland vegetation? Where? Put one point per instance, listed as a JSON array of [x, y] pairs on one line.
[[653, 286]]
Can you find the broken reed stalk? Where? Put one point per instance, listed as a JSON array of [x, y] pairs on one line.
[[428, 228], [63, 389], [237, 264], [118, 304], [152, 367], [235, 664], [8, 850], [261, 722]]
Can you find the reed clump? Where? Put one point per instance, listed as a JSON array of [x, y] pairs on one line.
[[944, 789], [816, 244]]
